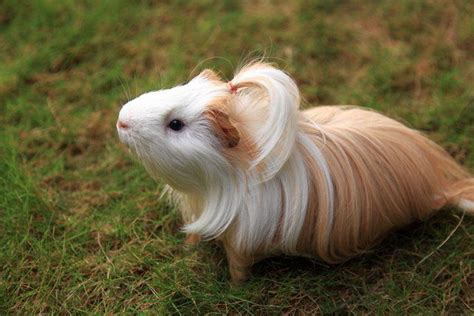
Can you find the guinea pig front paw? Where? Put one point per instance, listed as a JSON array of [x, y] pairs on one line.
[[192, 239], [238, 275]]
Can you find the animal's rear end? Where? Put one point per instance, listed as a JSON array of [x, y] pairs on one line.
[[385, 176], [461, 194]]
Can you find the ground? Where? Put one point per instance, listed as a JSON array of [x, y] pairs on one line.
[[82, 228]]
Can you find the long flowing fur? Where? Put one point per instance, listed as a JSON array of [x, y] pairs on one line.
[[328, 182]]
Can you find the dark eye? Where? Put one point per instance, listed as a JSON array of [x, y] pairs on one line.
[[176, 125]]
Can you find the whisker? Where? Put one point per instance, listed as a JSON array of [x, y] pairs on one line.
[[192, 73], [124, 90]]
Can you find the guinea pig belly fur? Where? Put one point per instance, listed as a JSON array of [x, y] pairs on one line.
[[249, 169]]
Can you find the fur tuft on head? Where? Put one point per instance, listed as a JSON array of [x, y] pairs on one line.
[[270, 100]]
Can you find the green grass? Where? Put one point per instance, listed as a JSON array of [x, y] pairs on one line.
[[81, 225]]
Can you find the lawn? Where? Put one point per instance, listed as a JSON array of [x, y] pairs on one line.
[[82, 228]]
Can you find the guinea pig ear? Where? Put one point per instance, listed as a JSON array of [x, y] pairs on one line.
[[225, 130], [262, 86], [210, 75]]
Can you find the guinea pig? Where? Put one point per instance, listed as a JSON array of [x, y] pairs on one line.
[[249, 169]]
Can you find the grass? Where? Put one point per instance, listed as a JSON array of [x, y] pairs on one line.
[[81, 225]]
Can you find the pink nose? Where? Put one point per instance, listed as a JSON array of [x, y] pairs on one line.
[[122, 124]]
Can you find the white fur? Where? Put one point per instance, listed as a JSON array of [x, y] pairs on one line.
[[323, 166], [466, 205], [187, 160], [215, 194], [276, 137]]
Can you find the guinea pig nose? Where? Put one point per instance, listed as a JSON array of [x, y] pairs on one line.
[[121, 124]]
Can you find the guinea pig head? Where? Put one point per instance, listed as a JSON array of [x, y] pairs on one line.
[[186, 135], [209, 131]]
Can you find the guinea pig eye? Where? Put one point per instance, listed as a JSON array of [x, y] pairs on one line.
[[176, 125]]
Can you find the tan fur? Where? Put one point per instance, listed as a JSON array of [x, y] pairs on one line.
[[192, 239], [463, 189], [385, 176], [210, 74], [223, 127], [230, 128]]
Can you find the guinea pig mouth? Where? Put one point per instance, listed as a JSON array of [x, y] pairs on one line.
[[133, 143], [125, 137]]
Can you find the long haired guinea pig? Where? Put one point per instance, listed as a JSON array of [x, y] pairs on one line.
[[251, 170]]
